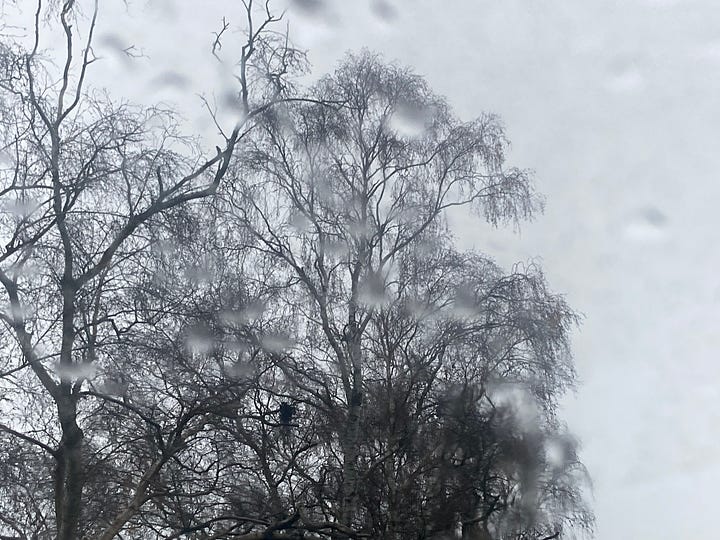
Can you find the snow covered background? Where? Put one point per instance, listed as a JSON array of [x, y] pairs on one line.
[[616, 106]]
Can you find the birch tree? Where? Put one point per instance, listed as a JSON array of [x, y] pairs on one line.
[[351, 201]]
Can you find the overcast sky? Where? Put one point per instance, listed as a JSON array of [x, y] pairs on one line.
[[615, 105]]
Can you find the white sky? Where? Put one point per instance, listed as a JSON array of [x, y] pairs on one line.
[[615, 105]]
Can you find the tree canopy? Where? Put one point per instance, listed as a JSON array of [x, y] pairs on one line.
[[278, 339]]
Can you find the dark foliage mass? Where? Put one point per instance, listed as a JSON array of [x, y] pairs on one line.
[[276, 339]]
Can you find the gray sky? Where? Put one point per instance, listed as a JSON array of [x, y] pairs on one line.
[[615, 105]]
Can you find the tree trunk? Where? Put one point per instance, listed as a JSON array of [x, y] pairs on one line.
[[69, 472], [351, 440]]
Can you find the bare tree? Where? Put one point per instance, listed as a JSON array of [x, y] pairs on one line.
[[83, 180], [464, 434], [350, 200], [278, 340]]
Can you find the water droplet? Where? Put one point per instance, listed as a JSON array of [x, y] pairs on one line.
[[240, 369], [337, 248], [165, 10], [200, 341], [653, 216], [464, 304], [6, 159], [22, 207], [199, 273], [171, 79], [114, 386], [165, 247], [28, 270], [410, 120], [21, 312], [361, 229], [276, 343], [299, 222], [625, 78], [555, 453], [373, 291], [646, 225], [418, 308], [247, 314], [112, 42], [309, 7], [76, 370], [230, 100], [384, 10], [518, 400]]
